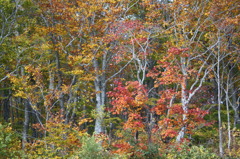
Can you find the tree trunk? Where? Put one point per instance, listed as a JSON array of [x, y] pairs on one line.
[[100, 88], [6, 105], [25, 123], [219, 104], [59, 76], [183, 129], [100, 99], [235, 106], [183, 100], [228, 121]]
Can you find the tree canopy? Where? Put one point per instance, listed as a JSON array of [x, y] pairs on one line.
[[119, 79]]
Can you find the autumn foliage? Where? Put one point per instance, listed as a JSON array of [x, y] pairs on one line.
[[119, 79]]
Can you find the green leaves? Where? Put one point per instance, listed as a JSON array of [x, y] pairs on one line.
[[10, 144]]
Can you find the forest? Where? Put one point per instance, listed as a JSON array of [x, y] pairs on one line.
[[119, 79]]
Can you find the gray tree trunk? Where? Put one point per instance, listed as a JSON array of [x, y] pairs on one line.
[[100, 88], [219, 103], [25, 123], [235, 106]]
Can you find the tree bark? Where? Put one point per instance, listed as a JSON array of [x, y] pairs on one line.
[[219, 103], [6, 106], [184, 99], [25, 123], [100, 88], [235, 105]]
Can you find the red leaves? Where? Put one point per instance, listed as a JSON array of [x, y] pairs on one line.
[[177, 51], [169, 133], [129, 100], [123, 148], [197, 114], [168, 70]]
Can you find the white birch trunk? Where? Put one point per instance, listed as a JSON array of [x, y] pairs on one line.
[[184, 99]]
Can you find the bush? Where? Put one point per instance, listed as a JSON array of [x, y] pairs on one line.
[[92, 149], [193, 152], [61, 141], [10, 143]]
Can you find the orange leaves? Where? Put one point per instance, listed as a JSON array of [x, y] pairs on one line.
[[168, 70], [169, 76], [160, 109], [134, 122]]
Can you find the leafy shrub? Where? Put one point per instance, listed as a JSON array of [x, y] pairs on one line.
[[90, 149], [193, 152], [151, 152], [10, 144], [60, 140], [93, 149]]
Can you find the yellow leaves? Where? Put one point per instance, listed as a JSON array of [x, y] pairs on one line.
[[87, 77], [18, 85], [29, 68], [86, 59], [42, 31], [85, 120], [77, 72], [45, 46], [110, 1], [25, 85], [21, 94], [206, 13], [65, 89], [165, 23], [61, 140]]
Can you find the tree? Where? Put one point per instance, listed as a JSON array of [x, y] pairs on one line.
[[140, 78]]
